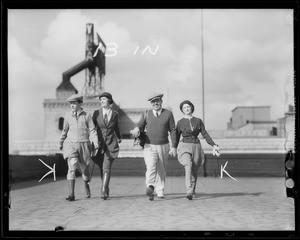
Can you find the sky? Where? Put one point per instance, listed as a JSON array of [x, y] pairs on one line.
[[247, 60]]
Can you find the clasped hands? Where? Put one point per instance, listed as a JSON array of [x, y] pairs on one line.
[[135, 132]]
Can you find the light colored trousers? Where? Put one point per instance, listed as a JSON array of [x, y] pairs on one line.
[[156, 160], [79, 157], [73, 164]]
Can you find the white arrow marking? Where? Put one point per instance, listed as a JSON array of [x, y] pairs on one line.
[[52, 171]]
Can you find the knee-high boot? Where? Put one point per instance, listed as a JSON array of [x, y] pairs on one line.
[[194, 190], [71, 184], [195, 183], [105, 188], [87, 189], [101, 176]]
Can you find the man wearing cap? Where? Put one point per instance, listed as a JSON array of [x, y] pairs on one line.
[[78, 131], [157, 123], [106, 121]]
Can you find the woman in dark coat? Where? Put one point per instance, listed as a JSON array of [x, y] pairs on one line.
[[106, 121], [189, 151]]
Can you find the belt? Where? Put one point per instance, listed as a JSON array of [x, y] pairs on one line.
[[190, 140]]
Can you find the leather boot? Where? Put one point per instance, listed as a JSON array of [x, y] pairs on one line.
[[87, 189], [101, 176], [102, 192], [102, 195], [105, 188], [194, 189], [71, 184]]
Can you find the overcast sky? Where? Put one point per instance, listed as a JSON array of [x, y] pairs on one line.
[[248, 59]]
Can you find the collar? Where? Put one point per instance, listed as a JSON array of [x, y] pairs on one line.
[[159, 111], [188, 116], [78, 112], [107, 111]]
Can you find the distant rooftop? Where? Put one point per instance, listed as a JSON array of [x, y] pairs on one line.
[[255, 122], [250, 107]]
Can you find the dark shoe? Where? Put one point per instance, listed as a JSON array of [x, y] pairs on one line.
[[189, 196], [106, 193], [103, 193], [161, 197], [70, 198], [150, 192]]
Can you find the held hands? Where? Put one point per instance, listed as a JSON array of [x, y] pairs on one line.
[[94, 150], [135, 132], [216, 150], [172, 152], [60, 147], [96, 144]]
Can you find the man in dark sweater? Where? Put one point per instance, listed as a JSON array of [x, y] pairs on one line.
[[157, 123]]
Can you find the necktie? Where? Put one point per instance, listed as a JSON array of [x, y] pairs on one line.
[[156, 114], [105, 119]]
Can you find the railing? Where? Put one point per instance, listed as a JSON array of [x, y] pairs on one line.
[[232, 145]]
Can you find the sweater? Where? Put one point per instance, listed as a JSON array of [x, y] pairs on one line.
[[191, 136], [78, 128], [157, 128]]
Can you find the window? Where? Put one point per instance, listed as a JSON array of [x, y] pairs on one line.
[[274, 131], [60, 123]]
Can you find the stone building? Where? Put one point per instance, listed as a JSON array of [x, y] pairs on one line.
[[55, 109], [253, 118]]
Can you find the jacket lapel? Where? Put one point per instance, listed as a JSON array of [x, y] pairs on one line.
[[100, 117], [113, 114]]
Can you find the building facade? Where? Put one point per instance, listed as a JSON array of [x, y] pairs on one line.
[[55, 110], [243, 115]]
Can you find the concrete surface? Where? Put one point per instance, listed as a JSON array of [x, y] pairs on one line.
[[248, 204]]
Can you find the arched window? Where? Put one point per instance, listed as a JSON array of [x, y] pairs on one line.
[[274, 131], [61, 123]]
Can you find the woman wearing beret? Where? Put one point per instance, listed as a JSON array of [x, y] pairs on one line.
[[189, 150], [106, 121]]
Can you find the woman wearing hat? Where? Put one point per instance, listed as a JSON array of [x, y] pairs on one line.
[[189, 150], [106, 121]]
